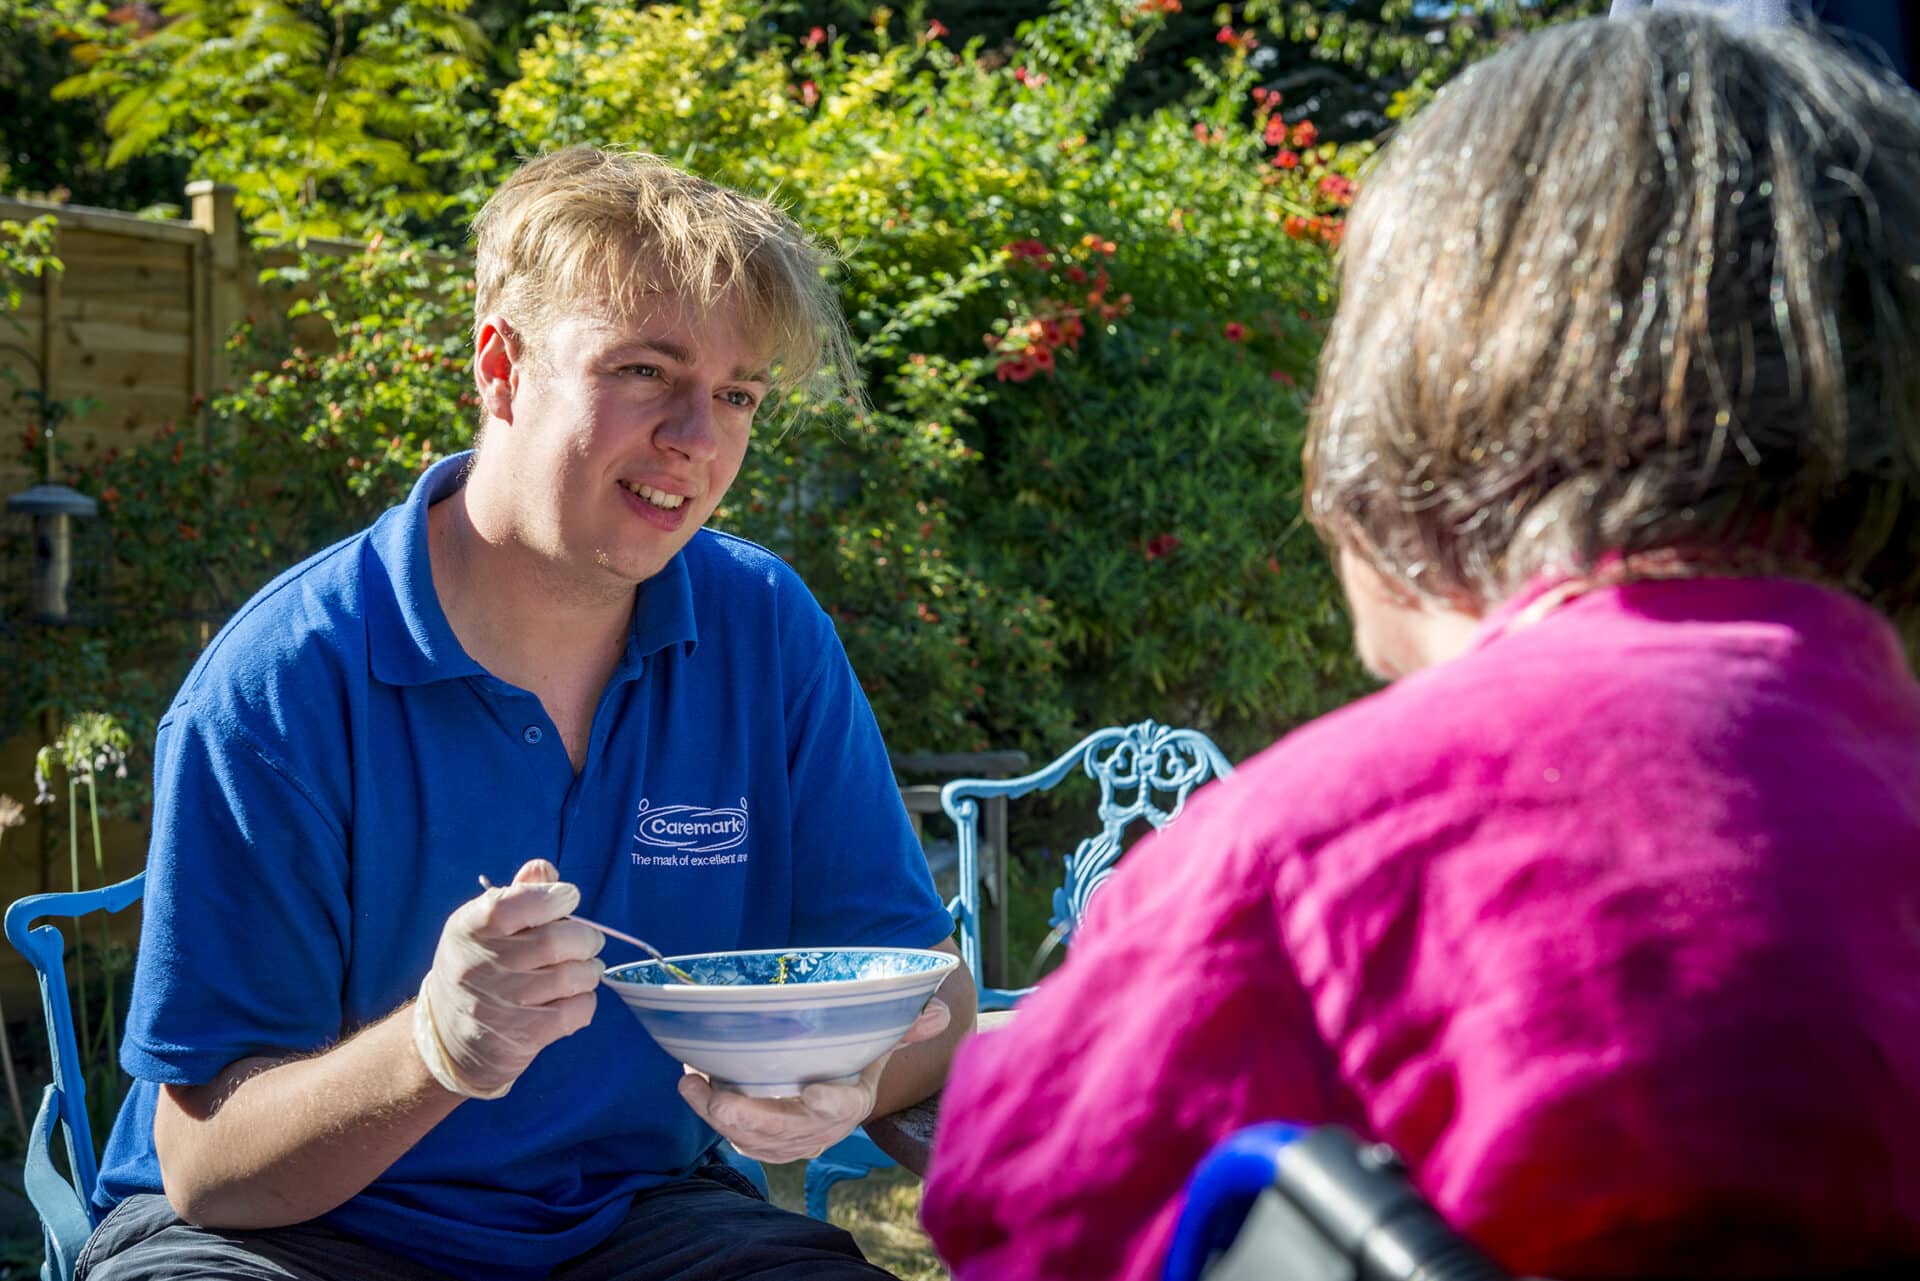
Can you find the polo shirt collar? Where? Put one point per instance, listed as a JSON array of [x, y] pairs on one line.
[[409, 639]]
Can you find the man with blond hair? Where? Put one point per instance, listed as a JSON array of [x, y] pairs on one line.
[[350, 1064]]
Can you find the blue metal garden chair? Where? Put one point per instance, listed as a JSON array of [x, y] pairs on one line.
[[62, 1200], [1146, 771]]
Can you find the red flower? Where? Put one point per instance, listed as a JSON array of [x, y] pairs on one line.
[[1276, 133], [809, 92], [1287, 160], [936, 29], [1282, 377], [1033, 251], [1078, 275], [1235, 331], [1304, 134], [1031, 79], [1161, 545], [1015, 371], [1337, 187], [815, 38], [1042, 359]]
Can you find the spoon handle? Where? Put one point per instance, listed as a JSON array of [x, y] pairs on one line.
[[610, 932]]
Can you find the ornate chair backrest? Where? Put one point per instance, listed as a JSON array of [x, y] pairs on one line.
[[62, 1200], [1145, 771]]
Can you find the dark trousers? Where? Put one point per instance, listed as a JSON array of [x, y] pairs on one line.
[[711, 1227]]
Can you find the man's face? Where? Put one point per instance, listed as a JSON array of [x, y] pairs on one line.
[[619, 437]]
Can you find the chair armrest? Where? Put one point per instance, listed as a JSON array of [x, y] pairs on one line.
[[66, 1221]]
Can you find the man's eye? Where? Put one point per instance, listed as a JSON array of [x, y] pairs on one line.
[[645, 371], [740, 399]]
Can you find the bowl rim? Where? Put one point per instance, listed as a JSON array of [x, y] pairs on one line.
[[829, 987]]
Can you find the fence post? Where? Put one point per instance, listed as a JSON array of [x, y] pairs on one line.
[[216, 276]]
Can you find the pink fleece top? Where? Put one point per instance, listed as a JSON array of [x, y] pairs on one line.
[[1610, 925]]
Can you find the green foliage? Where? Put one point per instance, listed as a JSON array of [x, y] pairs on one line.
[[26, 251], [686, 79], [331, 117], [1155, 499], [364, 387], [57, 150], [1403, 48]]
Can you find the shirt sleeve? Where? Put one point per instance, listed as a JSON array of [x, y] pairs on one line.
[[860, 876], [1067, 1137], [245, 921]]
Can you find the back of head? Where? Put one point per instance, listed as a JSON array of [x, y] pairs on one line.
[[587, 228], [1635, 286]]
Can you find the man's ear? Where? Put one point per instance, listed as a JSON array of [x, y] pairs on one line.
[[496, 367]]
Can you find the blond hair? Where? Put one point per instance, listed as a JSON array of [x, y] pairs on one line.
[[1633, 285], [591, 227]]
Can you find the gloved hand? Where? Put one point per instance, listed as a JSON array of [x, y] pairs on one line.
[[804, 1126], [509, 978]]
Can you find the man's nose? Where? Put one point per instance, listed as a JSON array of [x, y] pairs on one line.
[[688, 427]]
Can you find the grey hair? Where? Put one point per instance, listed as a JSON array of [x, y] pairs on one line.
[[1633, 286]]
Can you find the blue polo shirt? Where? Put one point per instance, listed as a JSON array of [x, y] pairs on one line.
[[335, 774]]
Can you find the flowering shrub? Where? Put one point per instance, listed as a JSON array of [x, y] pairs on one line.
[[1045, 523]]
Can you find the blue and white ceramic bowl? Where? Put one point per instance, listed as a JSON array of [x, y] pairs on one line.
[[770, 1023]]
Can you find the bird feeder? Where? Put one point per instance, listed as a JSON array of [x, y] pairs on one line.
[[53, 510]]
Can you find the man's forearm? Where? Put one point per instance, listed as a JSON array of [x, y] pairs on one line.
[[270, 1143], [916, 1071]]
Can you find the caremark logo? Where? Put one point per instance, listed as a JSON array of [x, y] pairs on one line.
[[696, 829]]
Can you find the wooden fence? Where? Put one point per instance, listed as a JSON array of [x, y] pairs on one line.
[[137, 323]]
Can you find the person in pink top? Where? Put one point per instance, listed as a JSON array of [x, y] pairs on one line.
[[1606, 912]]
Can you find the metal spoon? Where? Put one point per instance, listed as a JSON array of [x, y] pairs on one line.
[[672, 969]]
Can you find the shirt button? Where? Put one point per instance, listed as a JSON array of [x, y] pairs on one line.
[[532, 734]]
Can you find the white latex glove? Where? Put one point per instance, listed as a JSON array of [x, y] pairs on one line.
[[509, 978], [807, 1124]]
